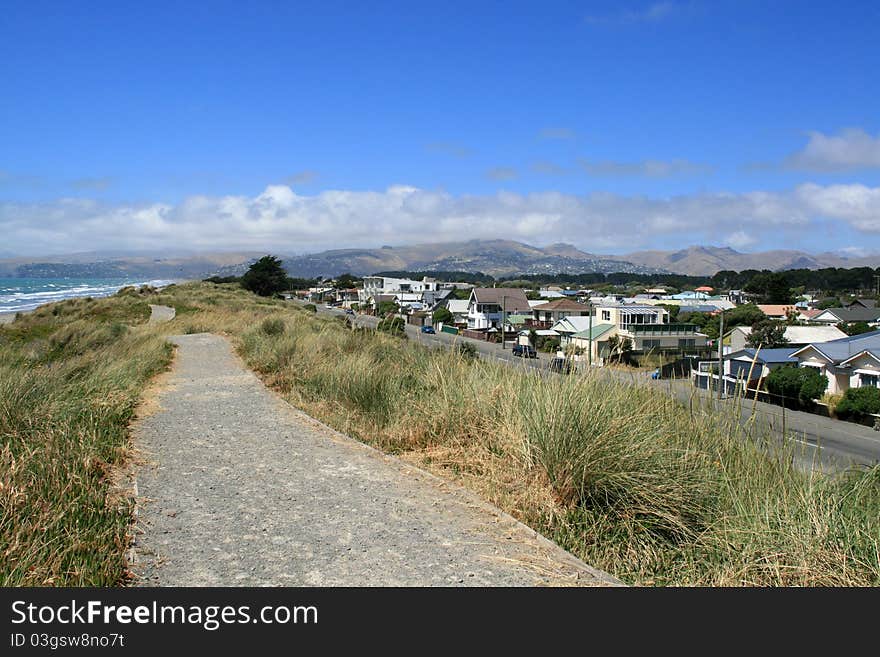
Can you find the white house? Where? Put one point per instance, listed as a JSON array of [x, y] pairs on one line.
[[646, 327], [459, 310], [488, 306], [851, 362], [384, 285], [797, 336]]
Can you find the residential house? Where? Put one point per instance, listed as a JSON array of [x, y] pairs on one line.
[[488, 305], [797, 336], [850, 362], [744, 368], [870, 316], [689, 295], [459, 310], [645, 326], [547, 313], [717, 303], [348, 296], [322, 294], [808, 314], [753, 365], [861, 303], [777, 311], [385, 285], [699, 308], [594, 341]]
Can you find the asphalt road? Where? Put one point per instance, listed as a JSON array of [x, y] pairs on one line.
[[821, 442]]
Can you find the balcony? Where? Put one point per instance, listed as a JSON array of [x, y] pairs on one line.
[[661, 330]]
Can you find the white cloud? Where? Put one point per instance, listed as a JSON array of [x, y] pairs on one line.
[[740, 240], [848, 150], [280, 219], [856, 204]]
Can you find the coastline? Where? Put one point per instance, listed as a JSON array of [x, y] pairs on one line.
[[8, 316]]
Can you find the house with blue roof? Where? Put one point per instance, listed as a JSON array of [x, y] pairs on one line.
[[851, 362]]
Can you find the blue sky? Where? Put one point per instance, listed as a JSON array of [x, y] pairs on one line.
[[616, 126]]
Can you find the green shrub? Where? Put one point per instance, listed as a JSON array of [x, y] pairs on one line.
[[393, 326], [467, 351], [859, 402], [311, 307], [801, 384], [272, 326]]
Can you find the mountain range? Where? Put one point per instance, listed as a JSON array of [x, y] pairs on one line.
[[494, 257]]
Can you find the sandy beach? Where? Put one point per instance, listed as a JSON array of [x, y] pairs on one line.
[[6, 318]]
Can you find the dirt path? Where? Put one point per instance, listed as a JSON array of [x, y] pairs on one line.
[[160, 314], [242, 489]]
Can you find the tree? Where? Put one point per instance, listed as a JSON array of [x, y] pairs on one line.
[[801, 384], [854, 328], [346, 281], [767, 334], [443, 315], [265, 277], [386, 308], [825, 304]]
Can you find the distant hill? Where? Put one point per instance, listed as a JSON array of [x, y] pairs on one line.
[[498, 258], [707, 260], [493, 257], [116, 265]]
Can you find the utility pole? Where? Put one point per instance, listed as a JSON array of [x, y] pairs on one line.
[[720, 354], [503, 298], [590, 330]]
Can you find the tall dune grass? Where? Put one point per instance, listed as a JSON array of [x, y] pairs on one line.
[[70, 378]]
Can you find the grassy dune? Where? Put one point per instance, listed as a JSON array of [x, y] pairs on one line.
[[70, 378], [627, 479]]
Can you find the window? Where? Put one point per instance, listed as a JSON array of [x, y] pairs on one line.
[[686, 342], [868, 380], [606, 315], [650, 344]]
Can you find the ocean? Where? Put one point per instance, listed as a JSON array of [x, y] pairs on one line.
[[20, 294]]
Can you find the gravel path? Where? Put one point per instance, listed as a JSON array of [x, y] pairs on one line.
[[241, 489], [159, 314]]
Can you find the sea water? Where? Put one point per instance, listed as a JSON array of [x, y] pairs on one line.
[[21, 294]]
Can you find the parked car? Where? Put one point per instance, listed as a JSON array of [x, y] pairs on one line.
[[349, 311], [524, 351], [561, 365], [428, 329]]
